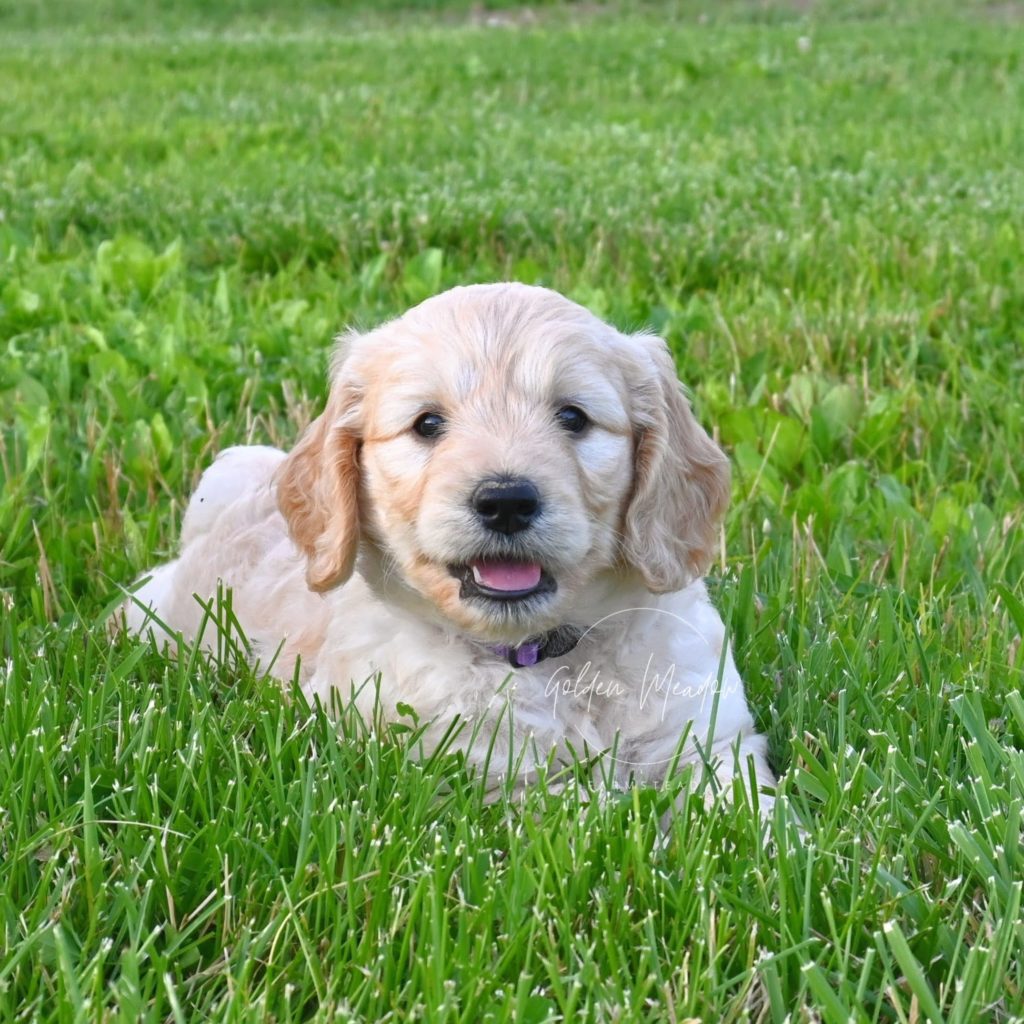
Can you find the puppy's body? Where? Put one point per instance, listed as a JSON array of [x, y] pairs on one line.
[[449, 508]]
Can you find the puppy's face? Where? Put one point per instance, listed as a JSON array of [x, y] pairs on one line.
[[498, 454]]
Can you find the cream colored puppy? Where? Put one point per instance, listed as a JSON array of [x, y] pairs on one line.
[[504, 513]]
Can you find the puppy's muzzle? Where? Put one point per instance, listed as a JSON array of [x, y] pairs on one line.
[[506, 505]]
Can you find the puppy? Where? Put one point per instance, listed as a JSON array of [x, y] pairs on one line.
[[501, 518]]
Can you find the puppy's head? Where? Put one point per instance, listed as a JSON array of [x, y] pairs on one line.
[[497, 453]]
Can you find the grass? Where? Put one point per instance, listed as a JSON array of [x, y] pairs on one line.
[[822, 209]]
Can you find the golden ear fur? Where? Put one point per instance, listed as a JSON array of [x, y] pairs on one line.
[[318, 491], [681, 481]]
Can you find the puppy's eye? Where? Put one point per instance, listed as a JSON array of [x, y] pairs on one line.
[[572, 419], [430, 424]]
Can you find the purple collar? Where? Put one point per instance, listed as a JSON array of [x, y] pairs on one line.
[[552, 644]]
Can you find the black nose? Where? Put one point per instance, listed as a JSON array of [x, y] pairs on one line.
[[506, 506]]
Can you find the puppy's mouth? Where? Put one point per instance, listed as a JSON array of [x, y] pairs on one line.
[[502, 580]]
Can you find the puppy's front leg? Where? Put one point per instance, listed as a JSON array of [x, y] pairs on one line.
[[698, 724]]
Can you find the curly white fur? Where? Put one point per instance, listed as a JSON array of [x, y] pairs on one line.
[[339, 555]]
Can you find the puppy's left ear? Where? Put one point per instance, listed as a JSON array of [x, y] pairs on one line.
[[680, 481], [318, 486]]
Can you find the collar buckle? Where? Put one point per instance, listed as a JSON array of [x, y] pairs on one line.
[[553, 644]]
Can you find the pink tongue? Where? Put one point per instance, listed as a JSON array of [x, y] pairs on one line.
[[506, 575]]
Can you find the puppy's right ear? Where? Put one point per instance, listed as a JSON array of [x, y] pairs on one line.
[[318, 490], [681, 485]]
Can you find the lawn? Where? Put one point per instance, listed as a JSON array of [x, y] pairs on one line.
[[820, 206]]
